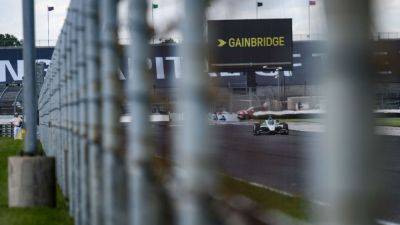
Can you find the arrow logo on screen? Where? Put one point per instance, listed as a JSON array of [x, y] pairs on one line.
[[221, 43]]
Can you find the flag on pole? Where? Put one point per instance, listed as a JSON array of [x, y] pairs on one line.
[[259, 4], [155, 6], [313, 2], [50, 8]]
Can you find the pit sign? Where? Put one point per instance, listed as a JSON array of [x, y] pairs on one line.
[[238, 44]]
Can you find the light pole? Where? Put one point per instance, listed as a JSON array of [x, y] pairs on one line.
[[32, 181], [257, 11], [30, 105], [309, 21], [259, 4], [310, 3], [49, 9]]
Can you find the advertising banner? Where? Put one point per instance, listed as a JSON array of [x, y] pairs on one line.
[[12, 64], [250, 44]]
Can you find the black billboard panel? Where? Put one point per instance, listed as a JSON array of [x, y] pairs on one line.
[[237, 44], [12, 63]]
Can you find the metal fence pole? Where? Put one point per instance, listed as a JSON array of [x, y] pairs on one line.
[[113, 142], [61, 113], [195, 175], [82, 105], [51, 147], [70, 112], [59, 99], [75, 110], [30, 100], [94, 111], [65, 108], [143, 201], [58, 147], [50, 106], [345, 169]]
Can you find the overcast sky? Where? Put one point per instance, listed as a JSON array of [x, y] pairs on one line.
[[169, 11]]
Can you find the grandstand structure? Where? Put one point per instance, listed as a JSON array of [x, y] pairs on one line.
[[239, 90], [11, 100], [242, 89]]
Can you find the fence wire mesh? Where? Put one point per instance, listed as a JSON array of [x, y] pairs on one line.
[[106, 168]]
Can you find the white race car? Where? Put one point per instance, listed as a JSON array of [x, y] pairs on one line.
[[271, 126]]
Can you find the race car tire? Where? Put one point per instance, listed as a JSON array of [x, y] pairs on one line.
[[256, 126], [256, 129]]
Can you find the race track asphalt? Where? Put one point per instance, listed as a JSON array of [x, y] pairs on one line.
[[282, 162]]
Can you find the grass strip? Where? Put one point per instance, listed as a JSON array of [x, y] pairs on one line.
[[26, 216], [391, 122], [268, 200]]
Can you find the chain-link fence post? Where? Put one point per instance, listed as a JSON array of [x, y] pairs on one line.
[[114, 172]]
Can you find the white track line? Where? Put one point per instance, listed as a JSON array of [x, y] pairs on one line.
[[382, 222], [265, 187]]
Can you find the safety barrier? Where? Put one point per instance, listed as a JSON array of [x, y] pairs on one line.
[[105, 169]]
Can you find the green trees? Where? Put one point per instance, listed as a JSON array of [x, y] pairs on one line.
[[8, 40]]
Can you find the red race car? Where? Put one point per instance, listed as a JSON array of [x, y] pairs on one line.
[[247, 114]]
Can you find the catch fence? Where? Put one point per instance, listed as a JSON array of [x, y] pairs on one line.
[[105, 169]]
